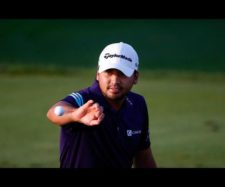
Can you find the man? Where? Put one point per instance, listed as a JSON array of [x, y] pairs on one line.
[[106, 125]]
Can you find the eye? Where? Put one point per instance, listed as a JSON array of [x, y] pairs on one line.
[[122, 75], [109, 71]]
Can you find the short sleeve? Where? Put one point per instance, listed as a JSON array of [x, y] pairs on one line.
[[75, 99]]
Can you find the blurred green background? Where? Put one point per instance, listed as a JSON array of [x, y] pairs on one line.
[[182, 76]]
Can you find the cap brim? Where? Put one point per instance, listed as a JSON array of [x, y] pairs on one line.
[[125, 70]]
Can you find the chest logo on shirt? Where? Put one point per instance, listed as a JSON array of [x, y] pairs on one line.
[[131, 133]]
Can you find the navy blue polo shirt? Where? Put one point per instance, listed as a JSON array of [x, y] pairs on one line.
[[111, 144]]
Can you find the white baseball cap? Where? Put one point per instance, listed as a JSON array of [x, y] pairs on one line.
[[119, 56]]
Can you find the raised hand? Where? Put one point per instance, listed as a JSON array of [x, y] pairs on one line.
[[89, 114]]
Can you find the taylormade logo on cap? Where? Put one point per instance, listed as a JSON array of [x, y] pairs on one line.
[[107, 55], [119, 56]]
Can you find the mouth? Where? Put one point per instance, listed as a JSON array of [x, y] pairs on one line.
[[114, 89]]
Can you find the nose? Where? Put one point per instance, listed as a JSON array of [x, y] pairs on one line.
[[115, 78]]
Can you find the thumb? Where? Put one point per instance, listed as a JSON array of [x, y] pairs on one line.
[[88, 104]]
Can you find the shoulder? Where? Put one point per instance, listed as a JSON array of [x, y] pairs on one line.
[[81, 96], [135, 97], [137, 101], [77, 98]]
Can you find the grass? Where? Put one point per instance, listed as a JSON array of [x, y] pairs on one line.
[[186, 116], [161, 43], [187, 122]]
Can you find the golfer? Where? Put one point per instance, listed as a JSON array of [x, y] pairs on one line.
[[106, 125]]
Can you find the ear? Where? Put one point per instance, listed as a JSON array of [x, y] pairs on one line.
[[136, 75], [97, 76]]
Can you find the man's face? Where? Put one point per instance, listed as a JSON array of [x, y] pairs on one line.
[[114, 84]]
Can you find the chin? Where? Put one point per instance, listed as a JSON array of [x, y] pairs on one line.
[[115, 97]]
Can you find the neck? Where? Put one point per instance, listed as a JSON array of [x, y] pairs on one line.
[[116, 104]]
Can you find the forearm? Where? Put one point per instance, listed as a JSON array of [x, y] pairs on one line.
[[144, 159], [88, 114], [68, 116]]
